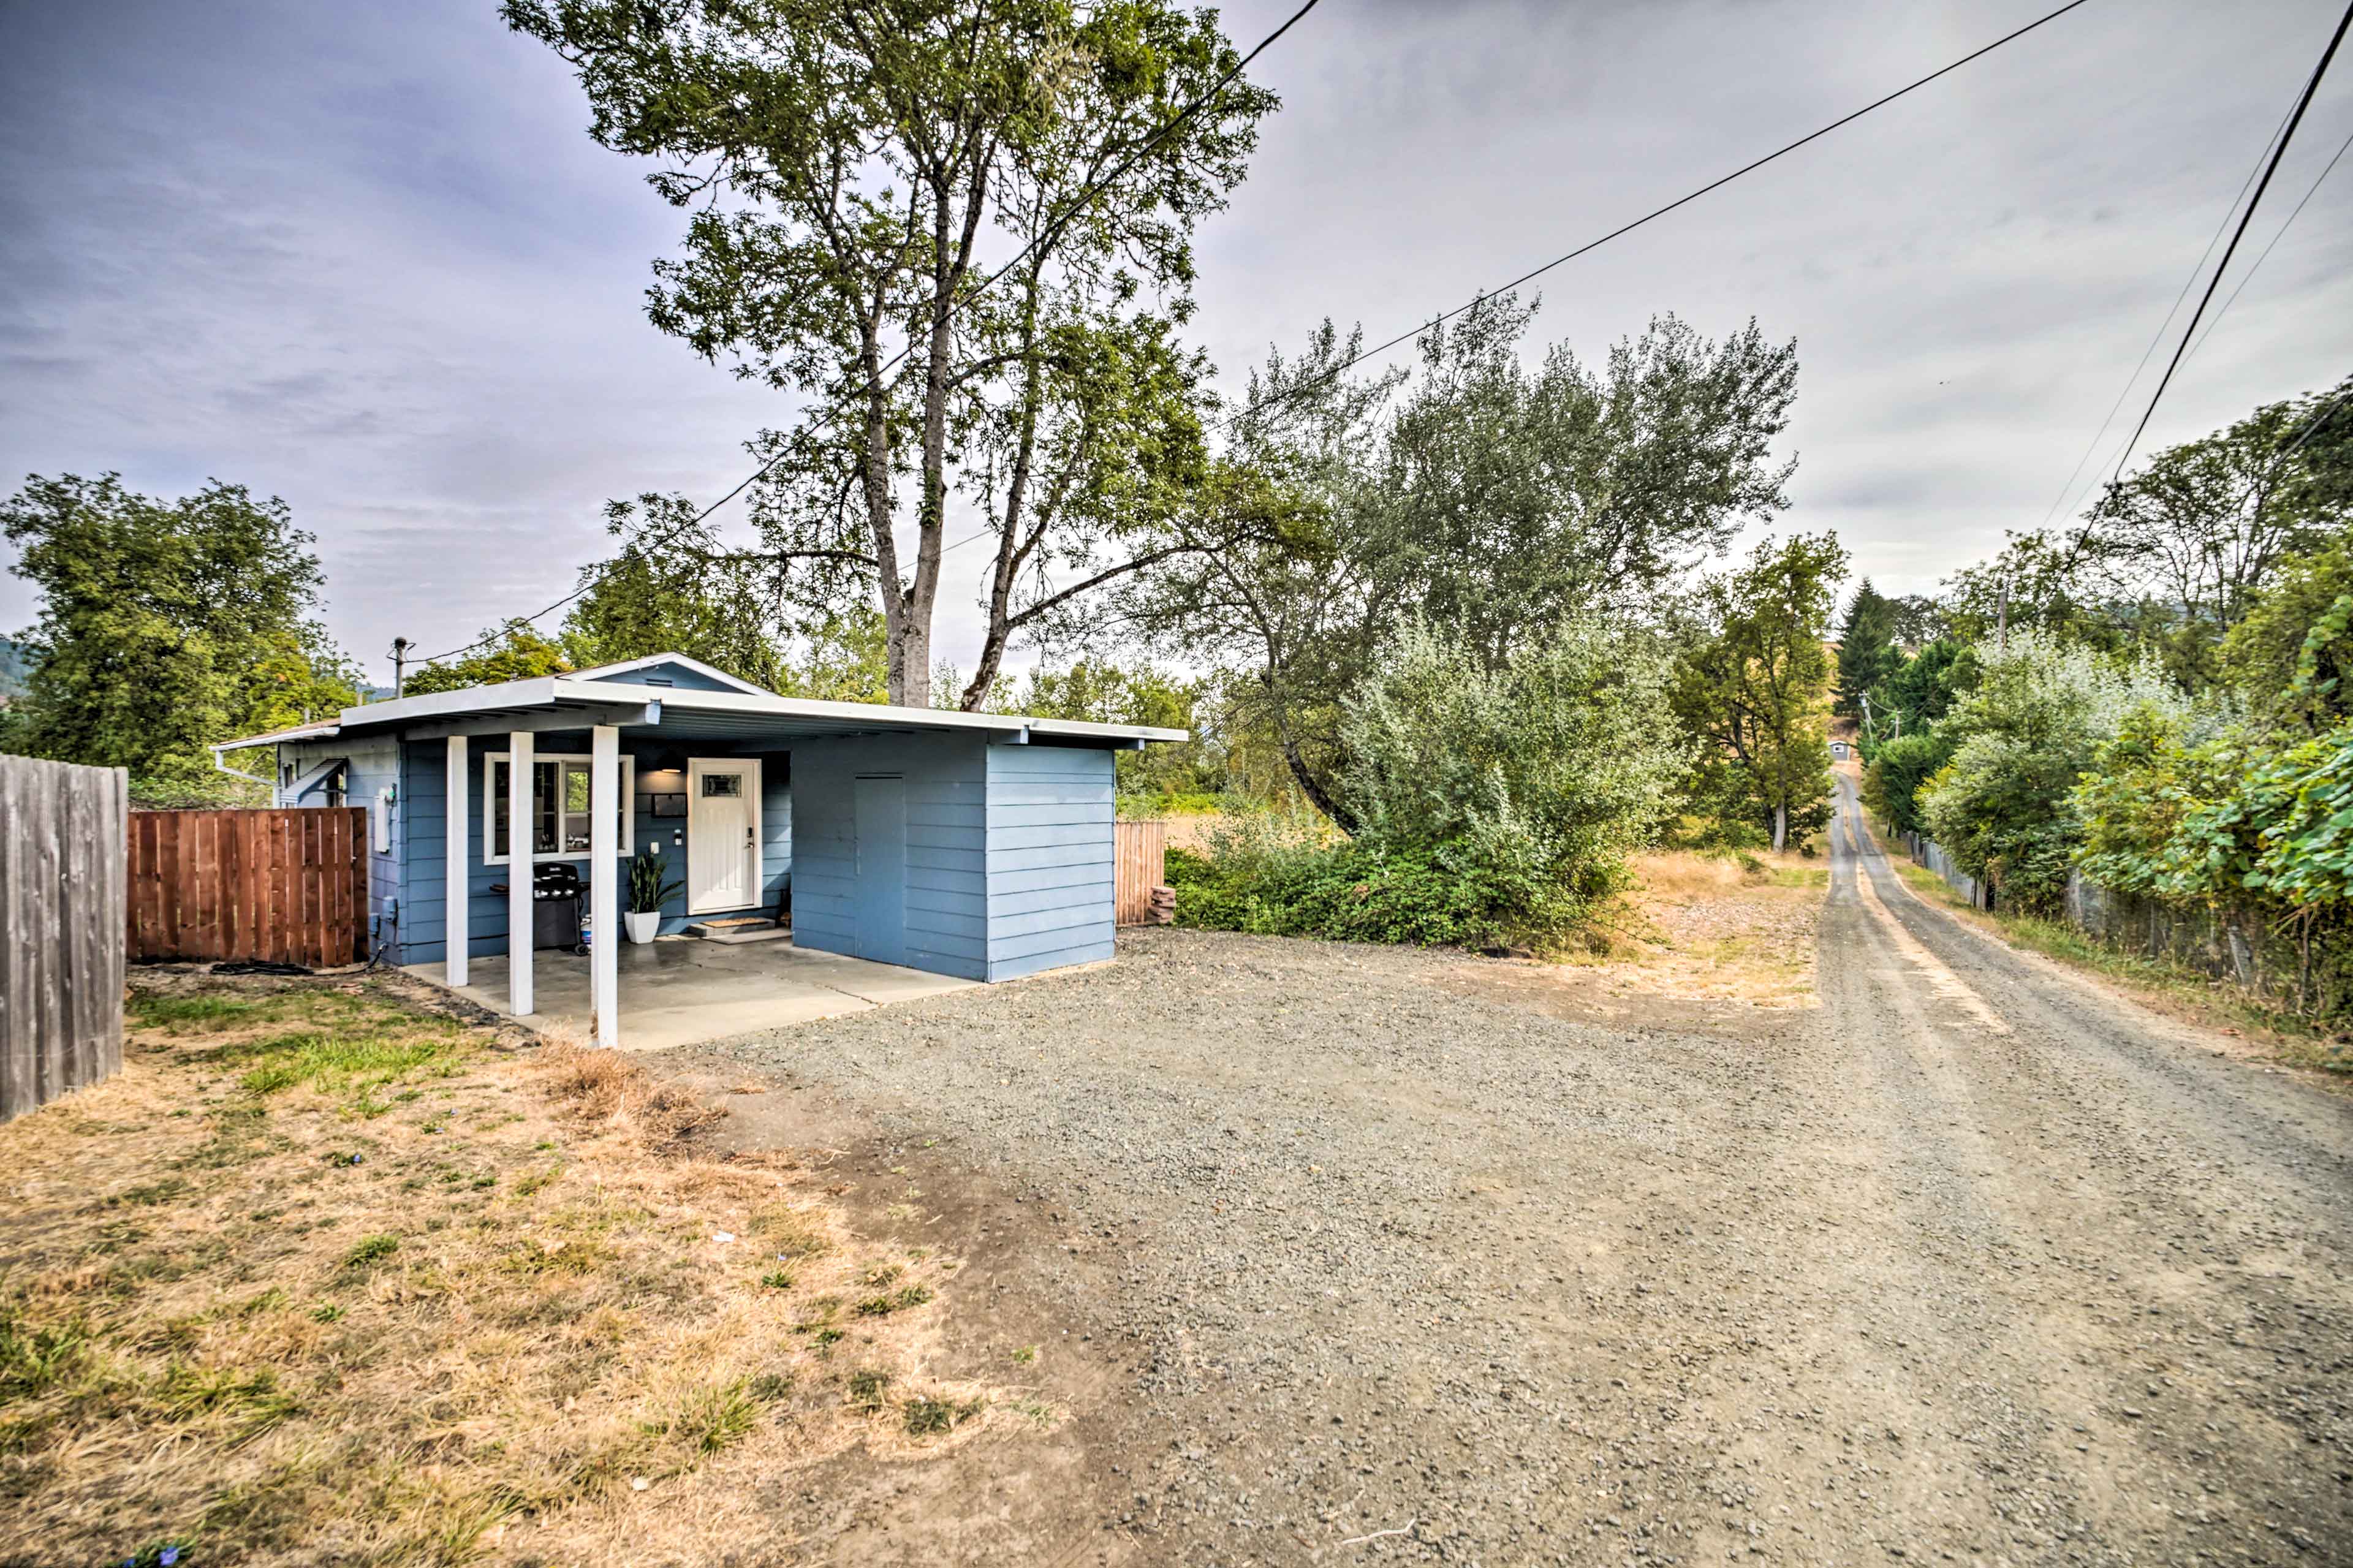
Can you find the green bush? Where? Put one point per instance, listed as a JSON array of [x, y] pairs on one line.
[[2003, 805], [1891, 783], [1352, 892], [1492, 804]]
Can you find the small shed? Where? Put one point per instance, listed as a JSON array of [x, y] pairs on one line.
[[973, 844]]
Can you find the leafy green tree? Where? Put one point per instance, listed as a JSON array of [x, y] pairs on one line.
[[1752, 684], [1548, 769], [844, 658], [1867, 652], [516, 651], [2003, 805], [1920, 690], [1496, 498], [848, 168], [1102, 693], [2196, 533], [1891, 785], [692, 598], [165, 625], [2291, 658], [1493, 804], [1919, 619], [2180, 552]]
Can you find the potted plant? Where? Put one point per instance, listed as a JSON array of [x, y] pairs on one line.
[[648, 893]]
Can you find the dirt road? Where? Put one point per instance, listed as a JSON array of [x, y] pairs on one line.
[[1343, 1255]]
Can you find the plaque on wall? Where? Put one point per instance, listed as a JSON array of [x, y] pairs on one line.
[[673, 804]]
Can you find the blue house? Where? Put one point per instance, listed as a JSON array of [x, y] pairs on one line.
[[978, 846]]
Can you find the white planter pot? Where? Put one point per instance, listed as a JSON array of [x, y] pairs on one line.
[[642, 927]]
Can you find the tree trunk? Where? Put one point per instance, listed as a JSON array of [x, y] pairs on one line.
[[1780, 826]]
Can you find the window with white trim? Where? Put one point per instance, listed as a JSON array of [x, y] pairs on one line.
[[560, 817]]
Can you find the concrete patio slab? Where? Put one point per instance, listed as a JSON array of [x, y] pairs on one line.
[[684, 993]]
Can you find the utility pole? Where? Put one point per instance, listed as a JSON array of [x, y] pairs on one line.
[[400, 646]]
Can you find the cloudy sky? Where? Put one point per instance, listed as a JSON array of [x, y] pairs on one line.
[[365, 257]]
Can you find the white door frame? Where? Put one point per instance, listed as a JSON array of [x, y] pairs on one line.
[[750, 767]]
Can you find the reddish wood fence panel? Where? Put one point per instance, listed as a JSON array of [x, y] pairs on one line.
[[287, 886], [1141, 856]]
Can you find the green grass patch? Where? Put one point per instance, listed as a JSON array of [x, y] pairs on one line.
[[371, 1251], [350, 1064], [928, 1417], [866, 1389], [716, 1417], [37, 1357], [218, 1012], [251, 1400], [898, 1300]]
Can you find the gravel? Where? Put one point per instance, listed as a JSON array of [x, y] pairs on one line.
[[1413, 1271]]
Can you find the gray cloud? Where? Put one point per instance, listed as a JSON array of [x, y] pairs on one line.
[[368, 259]]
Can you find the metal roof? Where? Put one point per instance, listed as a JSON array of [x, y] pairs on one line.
[[690, 714]]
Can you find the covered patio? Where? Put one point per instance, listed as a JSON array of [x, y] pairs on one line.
[[681, 992]]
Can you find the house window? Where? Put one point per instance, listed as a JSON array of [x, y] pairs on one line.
[[560, 817]]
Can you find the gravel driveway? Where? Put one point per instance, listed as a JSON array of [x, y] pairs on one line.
[[1969, 1264]]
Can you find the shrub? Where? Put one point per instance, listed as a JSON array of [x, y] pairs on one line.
[[1891, 785], [1491, 803], [2003, 805]]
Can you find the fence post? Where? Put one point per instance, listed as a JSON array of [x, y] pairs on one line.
[[64, 893]]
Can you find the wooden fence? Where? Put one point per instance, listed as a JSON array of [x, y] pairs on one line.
[[1140, 857], [287, 887], [61, 886]]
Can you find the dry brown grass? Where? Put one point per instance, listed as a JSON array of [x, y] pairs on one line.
[[1717, 928], [321, 1279]]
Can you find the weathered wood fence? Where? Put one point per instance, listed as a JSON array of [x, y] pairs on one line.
[[1140, 857], [61, 931], [287, 887]]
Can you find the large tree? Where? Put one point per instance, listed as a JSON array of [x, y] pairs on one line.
[[1867, 652], [164, 626], [691, 597], [1493, 496], [1754, 685], [852, 166], [2173, 557]]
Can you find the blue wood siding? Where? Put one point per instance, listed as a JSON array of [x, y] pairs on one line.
[[1005, 867], [1049, 857], [677, 675], [947, 894], [425, 875], [373, 765]]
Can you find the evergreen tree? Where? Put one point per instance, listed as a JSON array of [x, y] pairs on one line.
[[1867, 652]]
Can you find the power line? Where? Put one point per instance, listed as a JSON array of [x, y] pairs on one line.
[[1629, 227], [2248, 277], [1052, 230], [2157, 336], [2279, 151], [1679, 201], [2325, 415]]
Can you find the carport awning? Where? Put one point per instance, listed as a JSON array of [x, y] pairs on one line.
[[558, 701]]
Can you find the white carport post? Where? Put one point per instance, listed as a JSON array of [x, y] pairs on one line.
[[456, 865], [604, 850], [522, 779]]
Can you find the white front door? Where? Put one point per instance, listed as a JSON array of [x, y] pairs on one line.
[[722, 834]]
